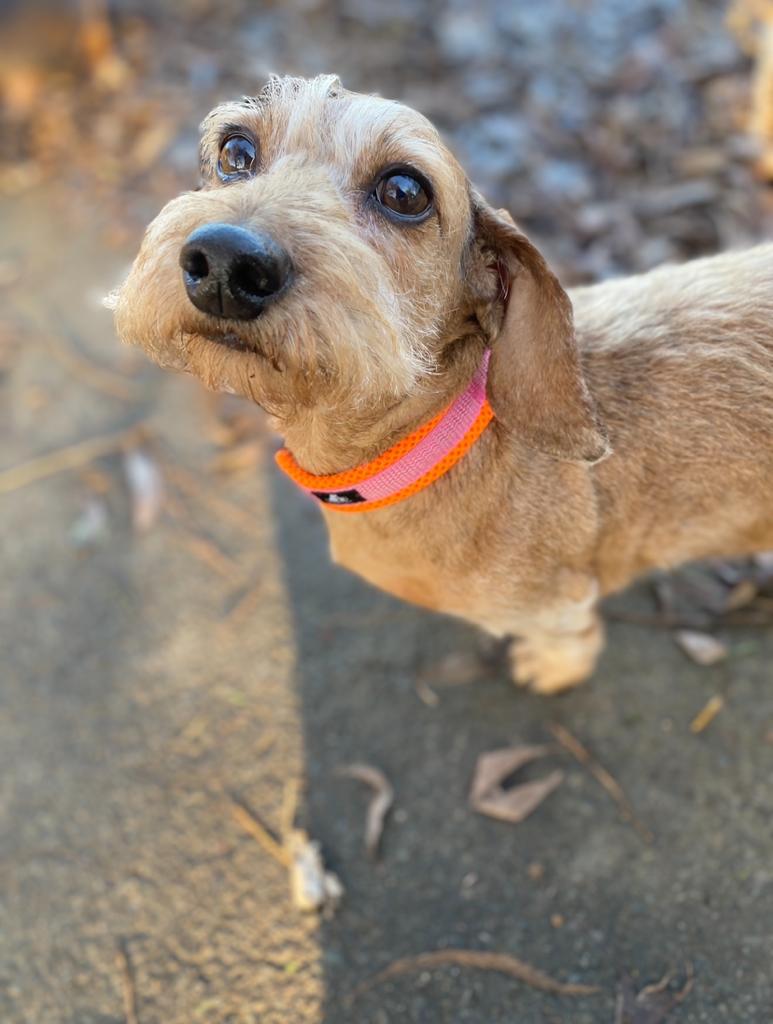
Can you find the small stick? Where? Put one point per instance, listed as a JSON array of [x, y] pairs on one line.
[[128, 982], [97, 377], [249, 822], [601, 775], [208, 553], [426, 694], [380, 804], [740, 619], [192, 486], [481, 960], [245, 606], [707, 714], [289, 807], [72, 456]]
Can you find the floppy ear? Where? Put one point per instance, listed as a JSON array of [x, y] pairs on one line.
[[535, 384]]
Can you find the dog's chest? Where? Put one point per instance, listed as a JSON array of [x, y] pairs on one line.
[[403, 565], [396, 569]]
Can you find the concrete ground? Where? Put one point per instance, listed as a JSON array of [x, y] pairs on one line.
[[132, 705], [141, 691]]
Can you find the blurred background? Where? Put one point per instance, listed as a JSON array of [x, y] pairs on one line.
[[179, 653]]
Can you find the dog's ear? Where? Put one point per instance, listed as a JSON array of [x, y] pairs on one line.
[[535, 385]]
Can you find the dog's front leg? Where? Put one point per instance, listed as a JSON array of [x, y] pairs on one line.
[[557, 644], [549, 662]]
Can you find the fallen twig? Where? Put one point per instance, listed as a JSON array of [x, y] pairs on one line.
[[289, 806], [426, 694], [748, 617], [252, 825], [72, 456], [707, 714], [502, 963], [208, 553], [312, 887], [190, 484], [606, 780], [380, 804], [245, 605], [97, 377], [128, 983]]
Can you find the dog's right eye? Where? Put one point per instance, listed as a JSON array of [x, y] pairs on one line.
[[403, 195], [238, 157]]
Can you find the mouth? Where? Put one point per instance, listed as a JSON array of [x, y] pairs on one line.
[[233, 342]]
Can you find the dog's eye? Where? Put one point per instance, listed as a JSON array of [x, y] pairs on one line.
[[403, 195], [238, 157]]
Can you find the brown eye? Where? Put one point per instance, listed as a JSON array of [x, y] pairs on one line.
[[238, 157], [403, 195]]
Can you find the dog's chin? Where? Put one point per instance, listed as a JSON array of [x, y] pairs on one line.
[[222, 343], [224, 361], [233, 342]]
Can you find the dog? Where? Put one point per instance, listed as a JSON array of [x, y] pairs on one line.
[[479, 441]]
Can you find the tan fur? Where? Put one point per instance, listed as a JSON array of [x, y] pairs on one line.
[[385, 323]]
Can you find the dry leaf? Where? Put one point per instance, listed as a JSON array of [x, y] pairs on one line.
[[455, 669], [764, 564], [146, 487], [379, 807], [488, 795], [702, 648], [653, 1004], [741, 595], [91, 526], [311, 885]]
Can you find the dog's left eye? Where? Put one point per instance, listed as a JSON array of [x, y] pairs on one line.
[[402, 194], [238, 157]]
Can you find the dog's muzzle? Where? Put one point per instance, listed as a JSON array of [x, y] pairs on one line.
[[233, 273]]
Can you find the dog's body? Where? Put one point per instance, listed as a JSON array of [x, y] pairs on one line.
[[680, 365], [672, 371]]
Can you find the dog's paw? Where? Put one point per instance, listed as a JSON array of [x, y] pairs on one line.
[[549, 664]]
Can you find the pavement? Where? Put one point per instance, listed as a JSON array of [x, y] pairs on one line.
[[133, 708], [149, 678]]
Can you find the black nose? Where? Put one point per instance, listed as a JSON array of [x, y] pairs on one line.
[[231, 272]]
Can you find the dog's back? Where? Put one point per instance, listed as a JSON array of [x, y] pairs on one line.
[[680, 362]]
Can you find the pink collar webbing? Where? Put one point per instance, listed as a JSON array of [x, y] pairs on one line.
[[411, 464]]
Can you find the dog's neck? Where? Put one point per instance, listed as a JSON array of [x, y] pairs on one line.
[[324, 441], [413, 463]]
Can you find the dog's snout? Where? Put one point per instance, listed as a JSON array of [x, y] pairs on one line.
[[231, 272]]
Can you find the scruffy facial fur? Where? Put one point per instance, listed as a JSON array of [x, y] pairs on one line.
[[360, 324], [384, 323]]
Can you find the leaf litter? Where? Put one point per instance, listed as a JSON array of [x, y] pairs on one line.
[[146, 488], [379, 806], [313, 888], [654, 1003], [702, 648], [489, 794], [604, 778]]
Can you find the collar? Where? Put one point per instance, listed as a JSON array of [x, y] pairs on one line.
[[409, 466]]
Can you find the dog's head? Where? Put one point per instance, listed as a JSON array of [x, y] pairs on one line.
[[336, 256]]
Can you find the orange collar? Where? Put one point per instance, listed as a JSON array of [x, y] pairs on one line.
[[409, 466]]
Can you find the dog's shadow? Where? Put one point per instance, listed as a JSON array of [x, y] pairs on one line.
[[380, 682]]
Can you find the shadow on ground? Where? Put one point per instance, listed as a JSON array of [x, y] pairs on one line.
[[604, 903]]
